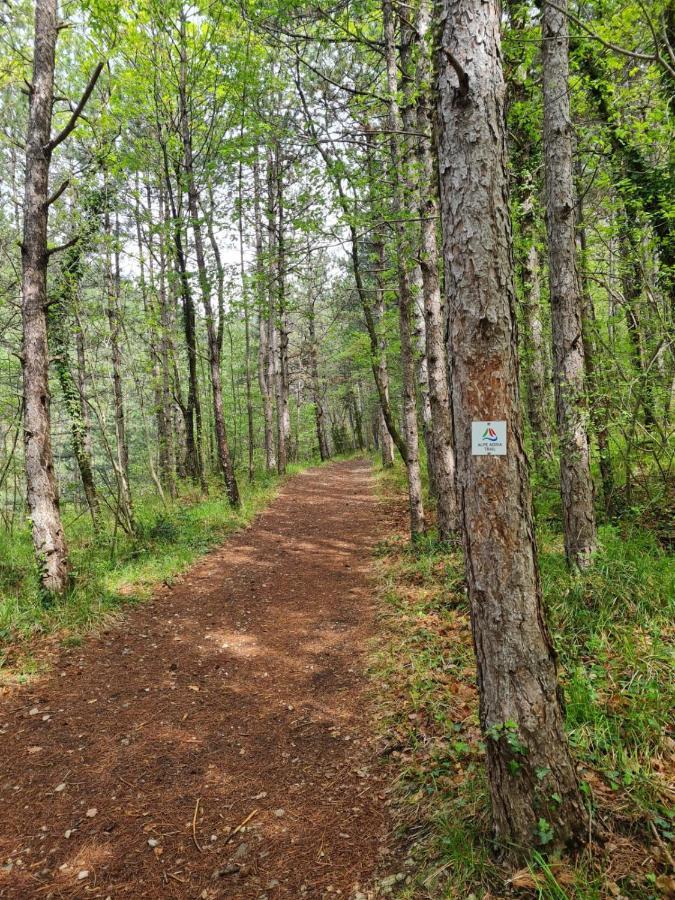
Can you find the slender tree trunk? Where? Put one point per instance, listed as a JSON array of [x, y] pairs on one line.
[[263, 325], [597, 388], [167, 457], [113, 312], [405, 294], [148, 297], [536, 374], [631, 283], [568, 350], [535, 795], [422, 371], [386, 441], [317, 397], [82, 386], [247, 327], [214, 334], [283, 380], [49, 540], [439, 388], [193, 456], [59, 319], [411, 185]]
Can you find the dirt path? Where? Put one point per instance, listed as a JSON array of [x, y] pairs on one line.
[[238, 693]]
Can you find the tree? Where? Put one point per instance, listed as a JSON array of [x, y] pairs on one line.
[[533, 785], [42, 489], [576, 484]]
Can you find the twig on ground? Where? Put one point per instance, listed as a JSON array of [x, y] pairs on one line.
[[241, 825], [194, 826]]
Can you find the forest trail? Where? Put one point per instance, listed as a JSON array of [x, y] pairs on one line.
[[237, 695]]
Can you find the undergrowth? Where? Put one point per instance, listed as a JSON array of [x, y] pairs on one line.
[[613, 631], [113, 569]]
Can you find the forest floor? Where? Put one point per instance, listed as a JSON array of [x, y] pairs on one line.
[[218, 740]]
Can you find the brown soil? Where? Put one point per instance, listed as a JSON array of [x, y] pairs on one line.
[[237, 696]]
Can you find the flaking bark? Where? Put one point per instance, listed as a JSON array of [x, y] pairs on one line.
[[533, 785]]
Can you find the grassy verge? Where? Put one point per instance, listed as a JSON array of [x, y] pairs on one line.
[[114, 569], [613, 629]]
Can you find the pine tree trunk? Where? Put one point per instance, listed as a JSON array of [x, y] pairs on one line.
[[439, 388], [533, 785], [49, 540], [568, 350], [263, 325], [410, 182], [405, 298]]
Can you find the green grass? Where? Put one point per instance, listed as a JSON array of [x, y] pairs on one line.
[[114, 569], [613, 630]]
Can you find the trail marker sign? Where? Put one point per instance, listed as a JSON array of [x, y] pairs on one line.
[[488, 438]]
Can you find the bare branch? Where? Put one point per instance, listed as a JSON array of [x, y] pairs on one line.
[[71, 243], [57, 193], [77, 112], [654, 57]]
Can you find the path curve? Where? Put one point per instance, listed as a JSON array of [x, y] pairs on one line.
[[239, 692]]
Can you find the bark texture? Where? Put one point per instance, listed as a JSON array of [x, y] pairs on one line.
[[41, 485], [439, 388], [576, 485], [405, 294], [531, 775]]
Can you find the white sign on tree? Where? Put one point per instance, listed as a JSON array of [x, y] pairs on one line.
[[488, 438]]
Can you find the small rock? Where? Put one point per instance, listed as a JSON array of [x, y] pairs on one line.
[[92, 812], [153, 842], [229, 869], [279, 813], [60, 787], [67, 833], [82, 874], [34, 711], [241, 851]]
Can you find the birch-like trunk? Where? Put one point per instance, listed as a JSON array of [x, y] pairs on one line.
[[531, 775], [576, 485]]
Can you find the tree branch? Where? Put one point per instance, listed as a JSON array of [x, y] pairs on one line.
[[77, 112], [57, 193], [654, 57], [71, 243]]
